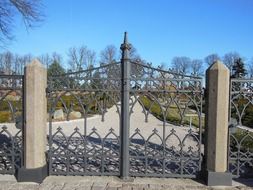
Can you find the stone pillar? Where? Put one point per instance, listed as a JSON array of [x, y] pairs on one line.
[[217, 107], [34, 132]]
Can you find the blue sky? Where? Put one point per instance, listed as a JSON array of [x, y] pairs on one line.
[[159, 29]]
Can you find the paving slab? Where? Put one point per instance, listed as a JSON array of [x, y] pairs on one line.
[[8, 182]]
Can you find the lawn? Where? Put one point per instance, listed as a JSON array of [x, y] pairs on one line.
[[173, 115]]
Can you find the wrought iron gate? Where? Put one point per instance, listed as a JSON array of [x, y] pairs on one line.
[[172, 148], [151, 121], [84, 150], [11, 123]]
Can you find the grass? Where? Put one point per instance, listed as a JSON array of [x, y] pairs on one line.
[[173, 116], [5, 109], [69, 101], [5, 116], [247, 143]]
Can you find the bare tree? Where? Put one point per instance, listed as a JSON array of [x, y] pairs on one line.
[[230, 58], [6, 59], [20, 62], [13, 64], [162, 66], [210, 59], [250, 68], [181, 64], [90, 60], [81, 58], [45, 59], [56, 57], [16, 64], [25, 59], [29, 10], [108, 55], [133, 54], [196, 67], [76, 58], [1, 63]]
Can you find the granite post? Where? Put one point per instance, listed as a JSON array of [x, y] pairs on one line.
[[217, 107], [34, 168]]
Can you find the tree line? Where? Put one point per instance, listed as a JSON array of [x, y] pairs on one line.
[[196, 67], [82, 58], [78, 58]]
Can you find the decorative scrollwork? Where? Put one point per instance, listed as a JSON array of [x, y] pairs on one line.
[[11, 123], [240, 135], [156, 157], [105, 77], [79, 154], [84, 151], [168, 100], [164, 95]]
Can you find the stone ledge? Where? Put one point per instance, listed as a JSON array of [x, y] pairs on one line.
[[114, 183]]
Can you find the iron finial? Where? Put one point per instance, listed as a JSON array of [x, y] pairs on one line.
[[125, 38], [125, 45]]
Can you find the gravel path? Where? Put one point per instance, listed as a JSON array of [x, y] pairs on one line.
[[137, 121]]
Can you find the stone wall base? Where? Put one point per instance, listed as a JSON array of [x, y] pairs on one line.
[[218, 178], [36, 175]]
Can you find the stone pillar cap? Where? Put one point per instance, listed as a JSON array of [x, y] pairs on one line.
[[35, 63], [218, 65]]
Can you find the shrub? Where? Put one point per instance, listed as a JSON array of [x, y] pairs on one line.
[[5, 116]]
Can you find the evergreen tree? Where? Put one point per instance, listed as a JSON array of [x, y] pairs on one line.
[[55, 69], [238, 69]]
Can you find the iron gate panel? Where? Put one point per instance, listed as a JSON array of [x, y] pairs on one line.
[[240, 149], [87, 149], [155, 144], [11, 123], [83, 153], [172, 148]]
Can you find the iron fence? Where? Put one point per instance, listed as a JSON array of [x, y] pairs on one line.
[[11, 123], [240, 133]]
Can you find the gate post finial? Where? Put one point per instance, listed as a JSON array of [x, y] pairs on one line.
[[125, 47], [125, 38]]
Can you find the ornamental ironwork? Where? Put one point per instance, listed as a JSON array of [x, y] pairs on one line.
[[83, 149], [11, 123], [125, 118], [241, 134], [173, 147]]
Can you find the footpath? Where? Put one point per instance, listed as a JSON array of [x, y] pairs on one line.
[[8, 182]]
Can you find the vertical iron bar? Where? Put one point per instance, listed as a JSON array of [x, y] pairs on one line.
[[164, 143], [49, 96], [23, 123], [200, 123], [229, 123], [125, 119]]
